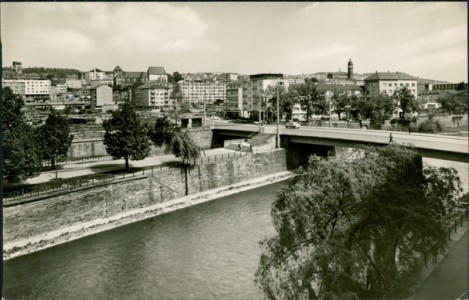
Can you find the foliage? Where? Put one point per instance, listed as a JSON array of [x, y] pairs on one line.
[[377, 109], [20, 156], [344, 103], [406, 101], [125, 135], [286, 101], [350, 229], [311, 100], [162, 131], [177, 77], [55, 72], [430, 125], [452, 104], [54, 138]]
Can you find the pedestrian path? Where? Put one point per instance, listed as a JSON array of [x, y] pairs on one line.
[[448, 277], [82, 169]]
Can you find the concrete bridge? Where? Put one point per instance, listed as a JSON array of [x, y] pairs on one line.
[[427, 145]]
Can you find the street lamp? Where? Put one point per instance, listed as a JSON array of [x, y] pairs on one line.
[[330, 116], [205, 115], [260, 108]]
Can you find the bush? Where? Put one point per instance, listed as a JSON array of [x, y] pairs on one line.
[[430, 125]]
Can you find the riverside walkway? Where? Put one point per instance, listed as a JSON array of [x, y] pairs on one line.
[[82, 169]]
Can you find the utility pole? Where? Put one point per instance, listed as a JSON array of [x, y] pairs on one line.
[[278, 118], [260, 108], [330, 116], [205, 114]]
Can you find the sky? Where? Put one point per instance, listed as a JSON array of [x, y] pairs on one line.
[[424, 39]]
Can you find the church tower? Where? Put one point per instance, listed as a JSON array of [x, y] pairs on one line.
[[350, 69]]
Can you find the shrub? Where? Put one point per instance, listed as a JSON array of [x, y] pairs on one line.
[[430, 125]]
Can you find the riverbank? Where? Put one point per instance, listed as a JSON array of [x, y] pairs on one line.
[[50, 239]]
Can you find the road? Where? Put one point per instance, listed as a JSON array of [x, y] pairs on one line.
[[428, 144], [449, 280]]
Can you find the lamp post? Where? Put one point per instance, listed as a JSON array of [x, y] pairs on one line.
[[205, 114], [260, 108]]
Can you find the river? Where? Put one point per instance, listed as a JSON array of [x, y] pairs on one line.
[[208, 251]]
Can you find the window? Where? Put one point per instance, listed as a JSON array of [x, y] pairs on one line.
[[401, 84], [390, 84], [413, 84]]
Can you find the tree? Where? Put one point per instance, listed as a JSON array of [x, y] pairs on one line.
[[377, 109], [348, 229], [21, 159], [406, 101], [286, 101], [176, 142], [54, 138], [126, 136], [310, 98], [453, 104], [177, 77]]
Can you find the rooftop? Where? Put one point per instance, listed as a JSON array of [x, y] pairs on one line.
[[390, 76], [156, 71]]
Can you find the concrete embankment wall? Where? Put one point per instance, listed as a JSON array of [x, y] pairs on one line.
[[63, 210]]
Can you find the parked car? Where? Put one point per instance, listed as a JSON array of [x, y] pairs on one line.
[[292, 125]]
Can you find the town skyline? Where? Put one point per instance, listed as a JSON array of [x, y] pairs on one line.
[[420, 39]]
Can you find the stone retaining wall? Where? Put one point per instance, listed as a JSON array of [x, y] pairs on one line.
[[59, 211]]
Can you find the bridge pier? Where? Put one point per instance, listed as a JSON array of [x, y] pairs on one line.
[[298, 154]]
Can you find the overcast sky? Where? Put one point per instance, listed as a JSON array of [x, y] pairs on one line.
[[428, 40]]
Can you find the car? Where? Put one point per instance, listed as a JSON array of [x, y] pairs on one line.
[[292, 125]]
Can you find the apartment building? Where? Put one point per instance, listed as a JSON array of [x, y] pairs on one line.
[[234, 98], [254, 90], [199, 90], [101, 95], [31, 90], [152, 96]]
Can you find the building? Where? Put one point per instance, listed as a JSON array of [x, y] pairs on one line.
[[73, 84], [199, 90], [234, 98], [17, 67], [30, 90], [101, 95], [255, 89], [18, 87], [152, 95], [157, 74], [388, 83]]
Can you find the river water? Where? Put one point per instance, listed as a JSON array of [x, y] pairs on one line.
[[208, 251]]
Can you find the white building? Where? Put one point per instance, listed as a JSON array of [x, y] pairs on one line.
[[196, 91], [152, 95], [388, 83], [157, 74], [31, 90], [234, 98], [101, 96], [255, 88]]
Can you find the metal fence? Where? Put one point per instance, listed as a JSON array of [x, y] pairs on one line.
[[452, 227]]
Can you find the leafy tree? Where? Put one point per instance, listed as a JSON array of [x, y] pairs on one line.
[[377, 109], [310, 98], [125, 135], [452, 104], [348, 229], [20, 157], [54, 138], [176, 142], [286, 101], [177, 77], [406, 101]]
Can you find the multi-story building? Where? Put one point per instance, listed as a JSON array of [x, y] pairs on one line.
[[254, 90], [94, 74], [101, 95], [30, 90], [18, 87], [388, 83], [152, 95], [234, 99], [198, 91], [73, 83]]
